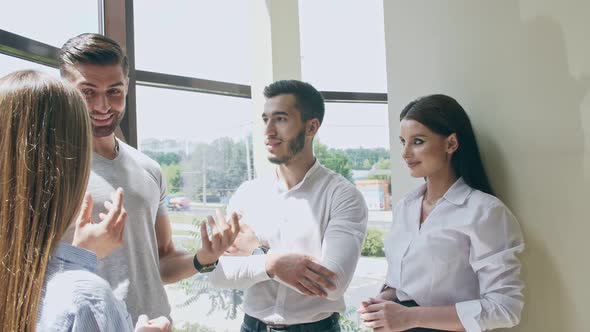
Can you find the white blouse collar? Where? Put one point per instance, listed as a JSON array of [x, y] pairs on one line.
[[457, 194]]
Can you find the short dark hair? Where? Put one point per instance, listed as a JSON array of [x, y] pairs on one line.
[[309, 101], [91, 48], [445, 116]]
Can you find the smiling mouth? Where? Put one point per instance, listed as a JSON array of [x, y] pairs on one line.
[[102, 117], [413, 164], [100, 120]]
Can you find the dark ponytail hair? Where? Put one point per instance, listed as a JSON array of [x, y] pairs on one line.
[[444, 116]]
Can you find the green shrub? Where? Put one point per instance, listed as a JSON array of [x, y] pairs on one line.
[[373, 246]]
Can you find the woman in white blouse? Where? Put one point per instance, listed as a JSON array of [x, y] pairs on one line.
[[451, 252]]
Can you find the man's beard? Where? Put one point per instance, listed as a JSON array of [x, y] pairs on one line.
[[104, 131], [295, 146]]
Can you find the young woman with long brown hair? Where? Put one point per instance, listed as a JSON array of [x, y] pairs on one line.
[[45, 151]]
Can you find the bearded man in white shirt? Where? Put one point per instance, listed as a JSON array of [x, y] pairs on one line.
[[302, 225]]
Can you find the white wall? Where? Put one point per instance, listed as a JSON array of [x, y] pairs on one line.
[[521, 69]]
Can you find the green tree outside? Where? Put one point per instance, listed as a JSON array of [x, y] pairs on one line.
[[333, 159]]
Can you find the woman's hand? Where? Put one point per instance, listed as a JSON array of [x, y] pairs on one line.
[[384, 316], [106, 236], [160, 324]]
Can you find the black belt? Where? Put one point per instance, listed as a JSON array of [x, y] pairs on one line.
[[322, 325]]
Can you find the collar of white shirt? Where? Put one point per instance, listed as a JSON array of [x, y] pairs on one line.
[[281, 186], [457, 194]]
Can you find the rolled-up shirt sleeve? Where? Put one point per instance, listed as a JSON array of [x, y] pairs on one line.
[[495, 243]]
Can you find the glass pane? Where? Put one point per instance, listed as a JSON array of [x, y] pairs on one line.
[[343, 45], [354, 141], [200, 142], [355, 126], [205, 39], [50, 22], [9, 64]]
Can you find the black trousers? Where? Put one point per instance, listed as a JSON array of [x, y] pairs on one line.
[[419, 329], [329, 324]]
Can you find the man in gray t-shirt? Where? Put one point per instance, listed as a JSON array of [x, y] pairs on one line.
[[98, 67]]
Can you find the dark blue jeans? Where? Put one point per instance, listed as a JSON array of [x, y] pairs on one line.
[[329, 324]]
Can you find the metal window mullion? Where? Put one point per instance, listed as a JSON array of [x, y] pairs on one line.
[[27, 49], [354, 97], [118, 25], [176, 82]]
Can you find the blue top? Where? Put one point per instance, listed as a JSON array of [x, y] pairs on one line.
[[74, 298]]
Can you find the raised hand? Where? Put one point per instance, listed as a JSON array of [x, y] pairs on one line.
[[222, 237], [106, 236], [302, 272], [245, 242]]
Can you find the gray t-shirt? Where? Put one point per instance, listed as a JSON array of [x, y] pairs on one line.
[[133, 270]]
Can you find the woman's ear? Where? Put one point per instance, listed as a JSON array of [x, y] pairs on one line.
[[452, 143]]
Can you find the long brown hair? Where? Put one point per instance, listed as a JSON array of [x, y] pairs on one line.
[[45, 149], [444, 115]]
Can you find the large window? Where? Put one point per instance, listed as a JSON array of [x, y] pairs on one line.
[[354, 141], [348, 125], [203, 140], [343, 44], [205, 39], [50, 22], [203, 144], [343, 49], [9, 64], [189, 116]]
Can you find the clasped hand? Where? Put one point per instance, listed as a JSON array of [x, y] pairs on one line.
[[385, 316]]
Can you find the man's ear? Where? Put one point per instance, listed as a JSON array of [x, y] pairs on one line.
[[312, 127], [452, 143]]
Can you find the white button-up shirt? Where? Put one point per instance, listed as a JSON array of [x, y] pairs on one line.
[[323, 216], [464, 254]]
